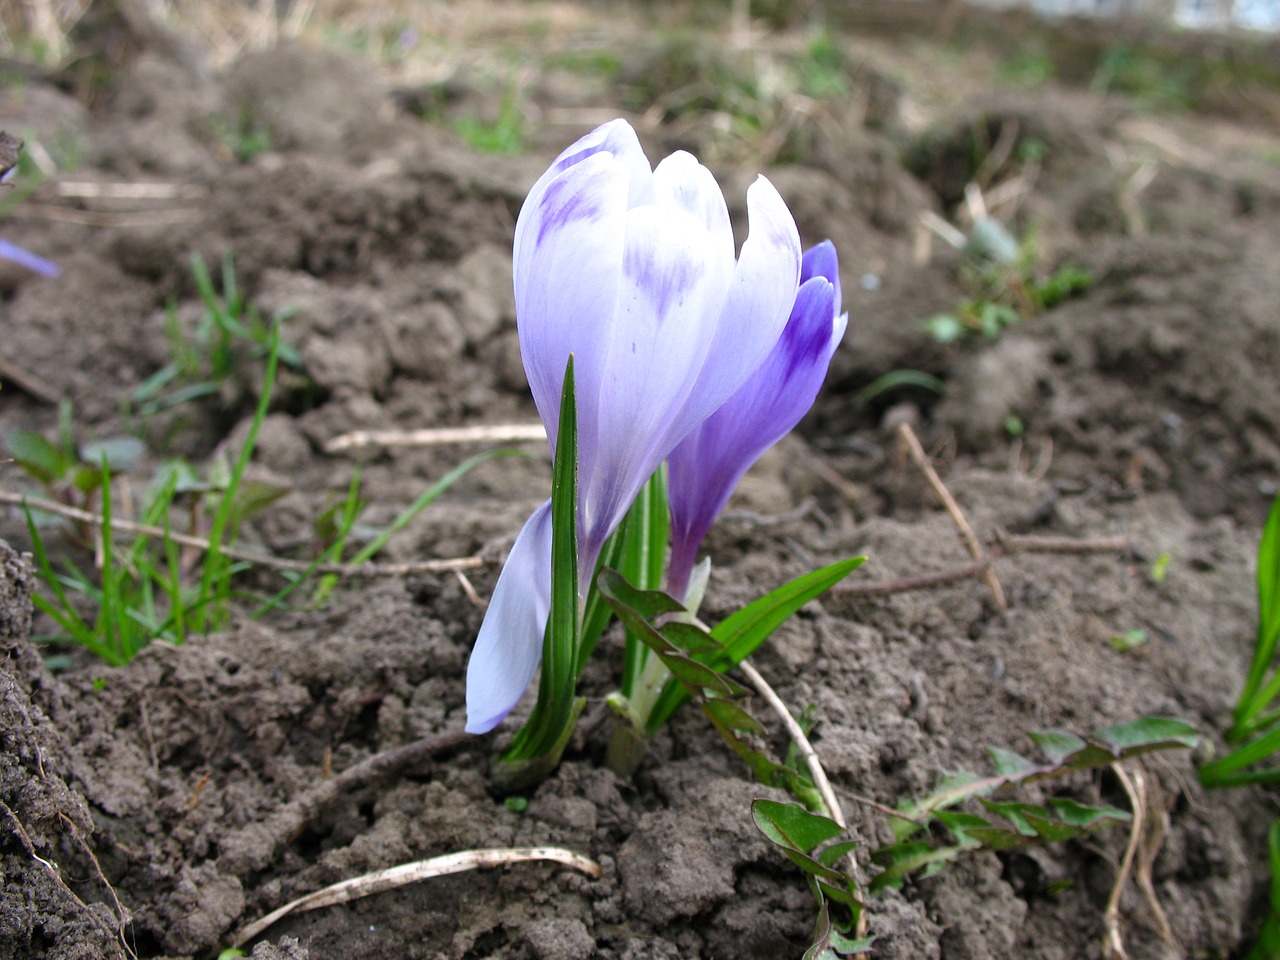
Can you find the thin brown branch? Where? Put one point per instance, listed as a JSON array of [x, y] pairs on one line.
[[1002, 547], [912, 444], [267, 837], [816, 772], [27, 382], [250, 556]]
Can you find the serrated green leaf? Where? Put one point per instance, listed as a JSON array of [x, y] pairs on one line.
[[791, 825], [1008, 763], [1148, 733], [697, 675], [1057, 745], [647, 604], [960, 823], [1051, 830], [1000, 838]]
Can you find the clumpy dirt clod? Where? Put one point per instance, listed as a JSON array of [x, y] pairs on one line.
[[147, 809]]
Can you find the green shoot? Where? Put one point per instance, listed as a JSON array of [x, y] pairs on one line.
[[229, 331], [538, 745]]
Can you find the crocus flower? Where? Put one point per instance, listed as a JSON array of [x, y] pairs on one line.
[[25, 258], [632, 270], [706, 466]]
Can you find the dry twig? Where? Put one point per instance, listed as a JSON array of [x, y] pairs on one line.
[[1135, 787], [268, 836], [393, 877], [250, 556], [912, 444], [500, 433]]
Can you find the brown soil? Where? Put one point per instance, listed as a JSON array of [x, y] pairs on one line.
[[139, 801]]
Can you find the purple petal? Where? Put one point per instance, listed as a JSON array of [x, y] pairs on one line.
[[26, 258], [509, 646], [707, 465], [820, 260], [760, 297]]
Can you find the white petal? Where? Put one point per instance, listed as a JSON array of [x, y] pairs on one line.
[[673, 284], [681, 182], [568, 264], [509, 646]]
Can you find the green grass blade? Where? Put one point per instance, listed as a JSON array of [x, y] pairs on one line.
[[644, 549], [545, 733], [216, 574], [1251, 703]]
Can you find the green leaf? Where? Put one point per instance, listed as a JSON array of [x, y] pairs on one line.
[[742, 632], [120, 453], [40, 458], [1057, 745], [1008, 763], [791, 825], [546, 731], [1083, 815], [900, 860], [732, 716], [1148, 733]]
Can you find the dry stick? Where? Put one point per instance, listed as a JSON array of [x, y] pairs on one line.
[[406, 873], [27, 382], [1135, 787], [290, 819], [252, 556], [797, 735], [501, 433], [1004, 547], [912, 443]]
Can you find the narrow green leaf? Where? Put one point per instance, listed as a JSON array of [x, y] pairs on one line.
[[731, 715], [1148, 733], [831, 855], [546, 730], [741, 633], [1057, 745], [1083, 815]]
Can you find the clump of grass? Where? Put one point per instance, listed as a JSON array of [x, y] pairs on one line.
[[1006, 284], [229, 332], [142, 592]]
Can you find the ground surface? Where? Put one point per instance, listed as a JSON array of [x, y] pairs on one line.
[[1144, 408]]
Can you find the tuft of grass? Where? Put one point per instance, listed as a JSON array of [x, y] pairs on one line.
[[229, 331], [505, 135], [142, 592]]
